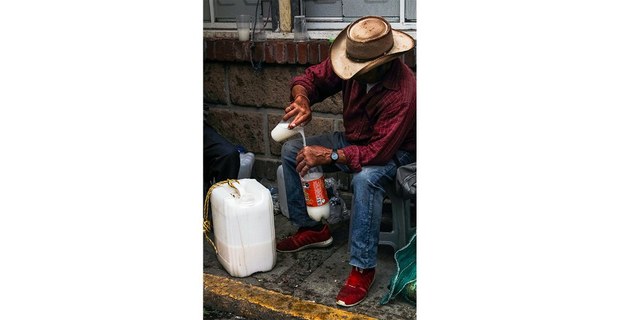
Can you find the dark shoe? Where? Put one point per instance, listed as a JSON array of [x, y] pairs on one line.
[[305, 238], [356, 288]]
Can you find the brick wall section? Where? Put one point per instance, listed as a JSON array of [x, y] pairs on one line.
[[246, 86], [273, 51], [214, 86]]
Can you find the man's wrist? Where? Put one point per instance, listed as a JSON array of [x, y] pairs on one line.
[[303, 96], [342, 157]]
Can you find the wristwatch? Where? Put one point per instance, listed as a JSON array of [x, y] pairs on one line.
[[334, 155]]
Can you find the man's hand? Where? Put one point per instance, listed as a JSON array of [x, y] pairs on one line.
[[299, 109], [312, 156]]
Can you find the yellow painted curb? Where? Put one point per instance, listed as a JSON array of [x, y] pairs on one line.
[[278, 302]]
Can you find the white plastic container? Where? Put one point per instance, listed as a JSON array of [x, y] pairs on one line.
[[244, 228], [281, 131], [282, 191], [246, 162]]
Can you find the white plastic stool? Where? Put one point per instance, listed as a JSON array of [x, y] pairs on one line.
[[402, 230]]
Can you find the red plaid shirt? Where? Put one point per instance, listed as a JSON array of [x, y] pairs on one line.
[[377, 123]]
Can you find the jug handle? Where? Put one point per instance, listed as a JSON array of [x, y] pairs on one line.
[[240, 190]]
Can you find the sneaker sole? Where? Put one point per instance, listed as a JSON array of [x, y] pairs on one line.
[[341, 303], [321, 244]]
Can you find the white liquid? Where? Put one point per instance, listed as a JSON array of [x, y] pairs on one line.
[[303, 136], [244, 34], [312, 176], [242, 261], [281, 131], [316, 213]]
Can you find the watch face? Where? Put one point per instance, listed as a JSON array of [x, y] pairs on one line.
[[334, 156]]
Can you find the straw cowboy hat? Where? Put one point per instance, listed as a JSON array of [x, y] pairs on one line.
[[365, 44]]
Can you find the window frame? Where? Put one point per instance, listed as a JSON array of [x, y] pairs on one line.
[[318, 27]]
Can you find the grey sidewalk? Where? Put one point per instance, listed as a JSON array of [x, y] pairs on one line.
[[315, 275]]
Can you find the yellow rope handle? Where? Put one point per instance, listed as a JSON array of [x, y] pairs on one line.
[[206, 225]]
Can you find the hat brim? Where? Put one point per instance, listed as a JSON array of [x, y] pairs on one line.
[[346, 68]]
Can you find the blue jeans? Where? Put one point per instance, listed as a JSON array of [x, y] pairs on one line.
[[368, 193]]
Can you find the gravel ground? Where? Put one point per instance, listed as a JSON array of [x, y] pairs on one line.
[[212, 314]]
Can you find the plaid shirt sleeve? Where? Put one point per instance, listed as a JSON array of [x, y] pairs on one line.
[[320, 81]]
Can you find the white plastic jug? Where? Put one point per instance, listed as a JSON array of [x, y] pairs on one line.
[[244, 228], [282, 191], [246, 162]]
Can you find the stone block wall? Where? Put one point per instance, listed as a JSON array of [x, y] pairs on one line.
[[247, 87]]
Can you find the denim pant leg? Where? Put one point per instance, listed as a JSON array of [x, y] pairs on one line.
[[368, 193], [294, 192]]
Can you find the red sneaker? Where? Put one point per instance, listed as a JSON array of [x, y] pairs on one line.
[[305, 238], [356, 288]]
